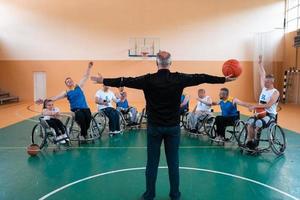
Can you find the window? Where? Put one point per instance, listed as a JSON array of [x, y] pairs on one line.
[[292, 15]]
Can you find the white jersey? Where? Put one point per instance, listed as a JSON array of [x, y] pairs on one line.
[[48, 117], [265, 97], [108, 96], [203, 107]]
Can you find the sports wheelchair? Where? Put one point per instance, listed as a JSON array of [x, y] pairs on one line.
[[270, 137], [45, 136], [94, 132], [231, 133], [203, 125], [102, 119], [127, 117]]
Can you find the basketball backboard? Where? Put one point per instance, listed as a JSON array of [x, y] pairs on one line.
[[143, 47]]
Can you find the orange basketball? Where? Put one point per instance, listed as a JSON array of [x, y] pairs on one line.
[[33, 149], [232, 67], [260, 113]]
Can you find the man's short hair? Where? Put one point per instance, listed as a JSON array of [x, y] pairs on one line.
[[225, 90], [163, 58]]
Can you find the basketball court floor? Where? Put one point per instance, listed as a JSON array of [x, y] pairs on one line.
[[113, 169]]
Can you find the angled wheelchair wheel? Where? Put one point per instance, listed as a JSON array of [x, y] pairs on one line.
[[122, 122], [277, 139], [212, 133], [240, 132], [100, 118], [208, 124], [73, 130], [184, 121], [94, 130], [39, 136]]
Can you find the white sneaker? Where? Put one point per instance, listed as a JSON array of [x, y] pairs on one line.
[[117, 132], [63, 142], [65, 136], [59, 137]]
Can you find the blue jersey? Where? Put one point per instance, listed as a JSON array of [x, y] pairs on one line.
[[76, 99], [228, 108], [123, 104]]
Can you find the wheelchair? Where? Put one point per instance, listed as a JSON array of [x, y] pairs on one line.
[[184, 119], [270, 137], [203, 125], [94, 132], [45, 136], [232, 132], [127, 118], [103, 120]]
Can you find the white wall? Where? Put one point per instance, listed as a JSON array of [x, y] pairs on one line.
[[93, 29]]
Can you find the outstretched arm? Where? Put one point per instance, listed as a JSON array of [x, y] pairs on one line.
[[196, 79], [54, 98], [86, 75], [59, 96], [241, 103], [272, 101], [215, 103], [262, 72], [139, 82]]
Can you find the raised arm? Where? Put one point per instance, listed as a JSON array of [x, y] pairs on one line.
[[86, 75], [262, 72], [196, 79], [139, 82]]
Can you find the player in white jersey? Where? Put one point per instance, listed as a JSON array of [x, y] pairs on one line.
[[201, 110], [268, 100]]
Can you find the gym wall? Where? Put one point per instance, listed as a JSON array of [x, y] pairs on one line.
[[59, 37]]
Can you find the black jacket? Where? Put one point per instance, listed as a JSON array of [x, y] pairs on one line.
[[163, 92]]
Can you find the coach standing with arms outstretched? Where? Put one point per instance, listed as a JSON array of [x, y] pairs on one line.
[[162, 91]]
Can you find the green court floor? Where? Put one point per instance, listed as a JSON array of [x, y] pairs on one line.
[[113, 169]]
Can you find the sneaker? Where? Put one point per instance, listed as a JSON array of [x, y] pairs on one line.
[[117, 132], [62, 142], [59, 137], [65, 136]]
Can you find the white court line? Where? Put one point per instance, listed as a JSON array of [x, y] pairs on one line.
[[164, 167]]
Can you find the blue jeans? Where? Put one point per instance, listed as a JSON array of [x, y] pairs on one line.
[[114, 118], [171, 138]]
